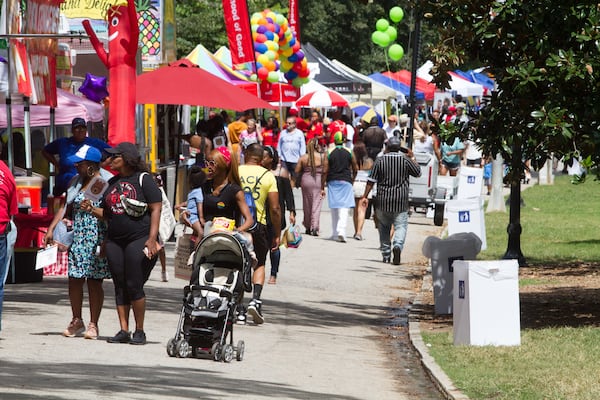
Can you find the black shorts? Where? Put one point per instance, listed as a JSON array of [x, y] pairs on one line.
[[262, 245]]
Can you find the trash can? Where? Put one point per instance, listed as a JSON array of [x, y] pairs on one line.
[[486, 303], [442, 253], [466, 215], [22, 268], [470, 183]]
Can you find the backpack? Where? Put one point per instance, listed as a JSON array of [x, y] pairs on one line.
[[249, 198]]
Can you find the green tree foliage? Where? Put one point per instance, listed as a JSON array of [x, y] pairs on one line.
[[340, 29], [545, 58]]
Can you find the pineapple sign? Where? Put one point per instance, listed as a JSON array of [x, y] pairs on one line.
[[149, 24], [149, 16]]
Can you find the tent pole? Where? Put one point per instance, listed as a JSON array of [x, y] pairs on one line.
[[52, 137], [11, 158], [27, 135]]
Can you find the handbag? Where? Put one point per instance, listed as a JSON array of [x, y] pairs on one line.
[[167, 219], [292, 236], [63, 235]]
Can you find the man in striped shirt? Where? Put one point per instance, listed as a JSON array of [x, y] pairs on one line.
[[391, 172]]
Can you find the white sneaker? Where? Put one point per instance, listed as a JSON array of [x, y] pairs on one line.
[[165, 276]]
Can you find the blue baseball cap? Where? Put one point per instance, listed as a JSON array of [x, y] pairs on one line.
[[86, 153]]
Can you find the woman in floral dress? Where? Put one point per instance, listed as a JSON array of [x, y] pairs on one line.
[[86, 261]]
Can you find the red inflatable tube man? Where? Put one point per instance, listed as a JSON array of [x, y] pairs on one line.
[[120, 61]]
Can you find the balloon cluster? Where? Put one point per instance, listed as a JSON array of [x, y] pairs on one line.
[[387, 34], [277, 50]]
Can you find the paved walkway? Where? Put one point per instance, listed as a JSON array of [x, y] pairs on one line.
[[322, 338]]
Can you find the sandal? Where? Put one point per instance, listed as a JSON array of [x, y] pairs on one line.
[[358, 237]]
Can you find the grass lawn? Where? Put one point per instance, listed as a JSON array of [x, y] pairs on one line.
[[560, 227]]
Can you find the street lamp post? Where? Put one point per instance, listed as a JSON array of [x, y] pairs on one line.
[[412, 98]]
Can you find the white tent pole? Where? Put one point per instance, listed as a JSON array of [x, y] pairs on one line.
[[27, 135]]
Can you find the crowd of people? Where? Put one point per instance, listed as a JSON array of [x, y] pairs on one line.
[[362, 166]]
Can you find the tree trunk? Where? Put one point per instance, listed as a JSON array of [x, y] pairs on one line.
[[514, 230]]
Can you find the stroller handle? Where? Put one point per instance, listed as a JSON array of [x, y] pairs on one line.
[[221, 292]]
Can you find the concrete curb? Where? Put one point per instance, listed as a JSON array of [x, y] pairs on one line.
[[437, 375]]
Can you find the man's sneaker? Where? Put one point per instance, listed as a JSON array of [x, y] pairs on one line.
[[240, 315], [92, 331], [386, 259], [75, 327], [138, 338], [255, 309], [120, 337], [396, 255]]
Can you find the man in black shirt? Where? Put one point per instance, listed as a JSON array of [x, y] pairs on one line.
[[391, 173], [374, 137]]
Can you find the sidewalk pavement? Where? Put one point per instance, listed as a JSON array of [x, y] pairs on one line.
[[322, 338]]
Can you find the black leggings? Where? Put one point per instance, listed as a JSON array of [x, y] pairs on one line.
[[130, 269]]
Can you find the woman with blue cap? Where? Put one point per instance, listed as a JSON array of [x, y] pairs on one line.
[[86, 261]]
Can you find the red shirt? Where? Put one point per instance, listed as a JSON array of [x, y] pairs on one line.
[[302, 124], [336, 126], [8, 196], [269, 138], [315, 130]]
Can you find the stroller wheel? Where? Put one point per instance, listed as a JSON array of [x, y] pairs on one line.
[[241, 346], [182, 349], [227, 353], [171, 347], [217, 351]]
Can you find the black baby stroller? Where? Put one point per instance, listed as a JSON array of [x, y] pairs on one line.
[[221, 273]]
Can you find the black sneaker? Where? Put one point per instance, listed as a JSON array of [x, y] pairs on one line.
[[120, 337], [138, 338], [255, 309], [396, 253], [240, 315]]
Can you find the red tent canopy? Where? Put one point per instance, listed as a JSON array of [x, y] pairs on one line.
[[184, 83], [422, 85]]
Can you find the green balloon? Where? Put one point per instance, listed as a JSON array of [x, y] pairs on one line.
[[382, 25], [396, 14], [392, 33], [380, 38], [396, 52], [375, 37]]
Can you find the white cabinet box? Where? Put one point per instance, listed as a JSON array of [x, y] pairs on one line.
[[486, 303], [470, 182], [466, 215]]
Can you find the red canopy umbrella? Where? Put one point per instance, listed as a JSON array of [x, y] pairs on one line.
[[322, 98], [182, 82]]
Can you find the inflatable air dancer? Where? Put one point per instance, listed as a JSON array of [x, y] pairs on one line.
[[123, 35]]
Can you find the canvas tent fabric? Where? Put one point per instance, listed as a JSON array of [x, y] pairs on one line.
[[69, 106], [477, 77], [394, 84], [328, 74], [278, 92], [379, 91], [457, 82], [422, 85]]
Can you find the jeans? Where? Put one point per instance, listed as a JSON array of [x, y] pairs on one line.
[[384, 226], [7, 244]]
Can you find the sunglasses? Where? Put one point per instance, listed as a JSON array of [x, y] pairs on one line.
[[291, 123], [211, 163]]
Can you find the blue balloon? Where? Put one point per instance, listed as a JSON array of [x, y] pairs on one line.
[[260, 47], [270, 35]]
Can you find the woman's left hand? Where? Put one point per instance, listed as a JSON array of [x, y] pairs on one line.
[[292, 218], [153, 247]]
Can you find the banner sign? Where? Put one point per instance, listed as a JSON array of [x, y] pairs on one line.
[[237, 23], [43, 17], [294, 19]]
